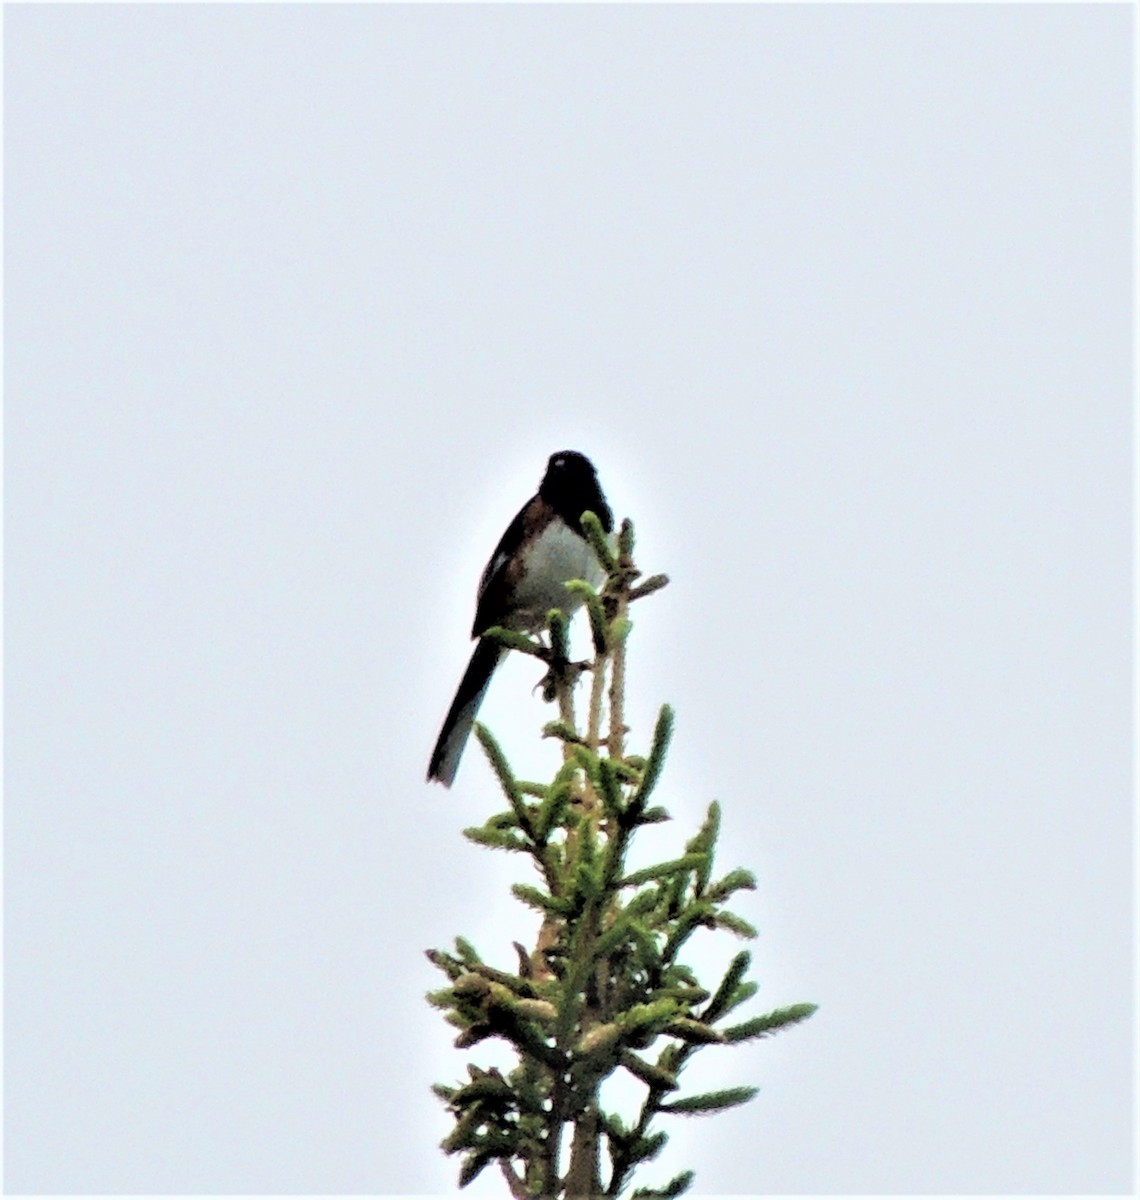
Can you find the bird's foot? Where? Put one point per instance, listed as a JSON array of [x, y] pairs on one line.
[[561, 672]]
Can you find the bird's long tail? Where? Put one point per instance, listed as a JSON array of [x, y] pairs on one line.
[[461, 715]]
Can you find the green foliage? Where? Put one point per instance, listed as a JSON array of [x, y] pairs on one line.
[[651, 772], [675, 1186], [599, 541], [769, 1023], [710, 1102], [605, 989]]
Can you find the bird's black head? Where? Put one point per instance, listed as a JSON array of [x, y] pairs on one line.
[[570, 486]]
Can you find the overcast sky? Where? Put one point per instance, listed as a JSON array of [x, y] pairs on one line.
[[298, 300]]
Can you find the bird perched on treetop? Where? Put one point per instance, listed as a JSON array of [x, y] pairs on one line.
[[543, 548]]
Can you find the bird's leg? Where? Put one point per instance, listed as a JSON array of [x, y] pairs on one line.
[[560, 672]]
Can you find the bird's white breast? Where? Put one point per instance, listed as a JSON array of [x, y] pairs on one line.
[[557, 555]]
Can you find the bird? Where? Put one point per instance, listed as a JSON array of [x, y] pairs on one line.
[[542, 548]]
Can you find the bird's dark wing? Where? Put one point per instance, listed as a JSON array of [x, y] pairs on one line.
[[501, 574]]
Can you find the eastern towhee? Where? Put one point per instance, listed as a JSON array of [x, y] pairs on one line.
[[543, 548]]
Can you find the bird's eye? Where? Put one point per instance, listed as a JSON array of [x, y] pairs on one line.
[[559, 461]]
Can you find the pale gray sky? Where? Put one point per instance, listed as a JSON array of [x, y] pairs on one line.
[[299, 299]]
